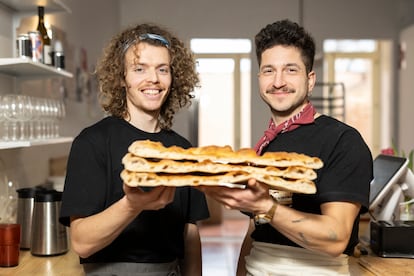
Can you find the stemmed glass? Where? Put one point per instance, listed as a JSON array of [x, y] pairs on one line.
[[25, 115], [11, 110], [61, 114], [36, 123], [43, 116], [54, 104], [49, 118], [18, 110], [5, 130]]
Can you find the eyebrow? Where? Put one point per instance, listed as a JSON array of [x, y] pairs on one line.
[[132, 64], [284, 65]]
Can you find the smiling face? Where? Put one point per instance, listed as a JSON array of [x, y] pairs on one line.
[[283, 81], [147, 79]]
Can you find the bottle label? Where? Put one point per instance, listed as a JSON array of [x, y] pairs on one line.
[[47, 54], [37, 46]]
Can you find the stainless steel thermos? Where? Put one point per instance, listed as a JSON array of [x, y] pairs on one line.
[[25, 203], [48, 235]]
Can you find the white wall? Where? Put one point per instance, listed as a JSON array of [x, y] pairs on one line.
[[406, 98]]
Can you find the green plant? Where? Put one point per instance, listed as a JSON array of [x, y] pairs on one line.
[[402, 153]]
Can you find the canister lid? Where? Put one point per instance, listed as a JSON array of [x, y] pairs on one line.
[[27, 192], [9, 233], [48, 196]]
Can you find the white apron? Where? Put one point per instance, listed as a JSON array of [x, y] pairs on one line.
[[273, 259]]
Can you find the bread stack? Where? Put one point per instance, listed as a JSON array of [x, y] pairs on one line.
[[149, 163]]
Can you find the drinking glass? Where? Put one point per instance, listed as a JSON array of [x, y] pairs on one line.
[[61, 114], [11, 109], [54, 115], [4, 130], [24, 115], [43, 117]]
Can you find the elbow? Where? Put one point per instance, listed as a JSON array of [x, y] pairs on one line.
[[81, 250], [335, 250], [334, 254]]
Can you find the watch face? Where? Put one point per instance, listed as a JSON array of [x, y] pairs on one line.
[[261, 219]]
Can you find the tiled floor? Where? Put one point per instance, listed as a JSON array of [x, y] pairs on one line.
[[221, 246]]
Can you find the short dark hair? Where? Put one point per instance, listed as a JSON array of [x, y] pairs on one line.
[[286, 33]]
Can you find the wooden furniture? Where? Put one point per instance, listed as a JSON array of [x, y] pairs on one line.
[[68, 264], [61, 265]]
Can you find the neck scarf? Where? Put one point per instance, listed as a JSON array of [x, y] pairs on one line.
[[303, 117]]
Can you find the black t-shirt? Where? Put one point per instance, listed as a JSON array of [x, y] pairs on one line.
[[93, 183], [345, 176]]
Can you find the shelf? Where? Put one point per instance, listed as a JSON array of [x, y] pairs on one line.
[[26, 68], [31, 5], [24, 144]]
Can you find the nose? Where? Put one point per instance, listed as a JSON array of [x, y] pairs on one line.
[[279, 80], [152, 75]]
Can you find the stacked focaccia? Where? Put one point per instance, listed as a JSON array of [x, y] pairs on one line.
[[149, 163]]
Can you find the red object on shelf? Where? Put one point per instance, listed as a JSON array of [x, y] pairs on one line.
[[9, 244]]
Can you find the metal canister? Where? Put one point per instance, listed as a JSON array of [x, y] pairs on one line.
[[24, 46], [37, 46], [59, 60], [49, 237], [25, 203]]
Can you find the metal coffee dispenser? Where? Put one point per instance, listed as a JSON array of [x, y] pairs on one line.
[[25, 203], [49, 236]]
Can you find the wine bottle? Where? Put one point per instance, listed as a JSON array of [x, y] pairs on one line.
[[47, 59]]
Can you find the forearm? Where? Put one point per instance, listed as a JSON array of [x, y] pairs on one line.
[[322, 233], [91, 234]]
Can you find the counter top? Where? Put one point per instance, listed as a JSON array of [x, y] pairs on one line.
[[61, 265], [68, 265]]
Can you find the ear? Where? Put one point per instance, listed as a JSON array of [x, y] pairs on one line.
[[311, 81], [123, 83]]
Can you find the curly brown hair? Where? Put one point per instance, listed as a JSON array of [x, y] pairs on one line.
[[110, 72]]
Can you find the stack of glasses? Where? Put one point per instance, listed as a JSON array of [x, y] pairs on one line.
[[25, 117]]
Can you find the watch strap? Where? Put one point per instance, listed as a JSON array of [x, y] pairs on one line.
[[268, 216]]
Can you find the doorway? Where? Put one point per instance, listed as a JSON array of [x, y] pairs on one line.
[[222, 103], [359, 65], [220, 113]]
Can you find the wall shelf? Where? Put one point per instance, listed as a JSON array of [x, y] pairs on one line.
[[26, 68], [24, 144]]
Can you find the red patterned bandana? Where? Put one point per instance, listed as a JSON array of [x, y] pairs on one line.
[[304, 117]]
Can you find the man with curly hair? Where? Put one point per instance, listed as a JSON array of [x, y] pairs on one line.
[[146, 75]]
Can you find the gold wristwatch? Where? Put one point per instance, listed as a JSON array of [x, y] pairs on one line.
[[268, 216]]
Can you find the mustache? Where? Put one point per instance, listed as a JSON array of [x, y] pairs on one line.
[[280, 90]]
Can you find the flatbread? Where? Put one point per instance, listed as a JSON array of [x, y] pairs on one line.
[[223, 154], [135, 179], [150, 164], [138, 164]]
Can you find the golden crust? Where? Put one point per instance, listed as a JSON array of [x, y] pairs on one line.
[[151, 164], [135, 179], [139, 164], [223, 154]]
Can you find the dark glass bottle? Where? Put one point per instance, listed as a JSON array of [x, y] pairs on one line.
[[47, 59]]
